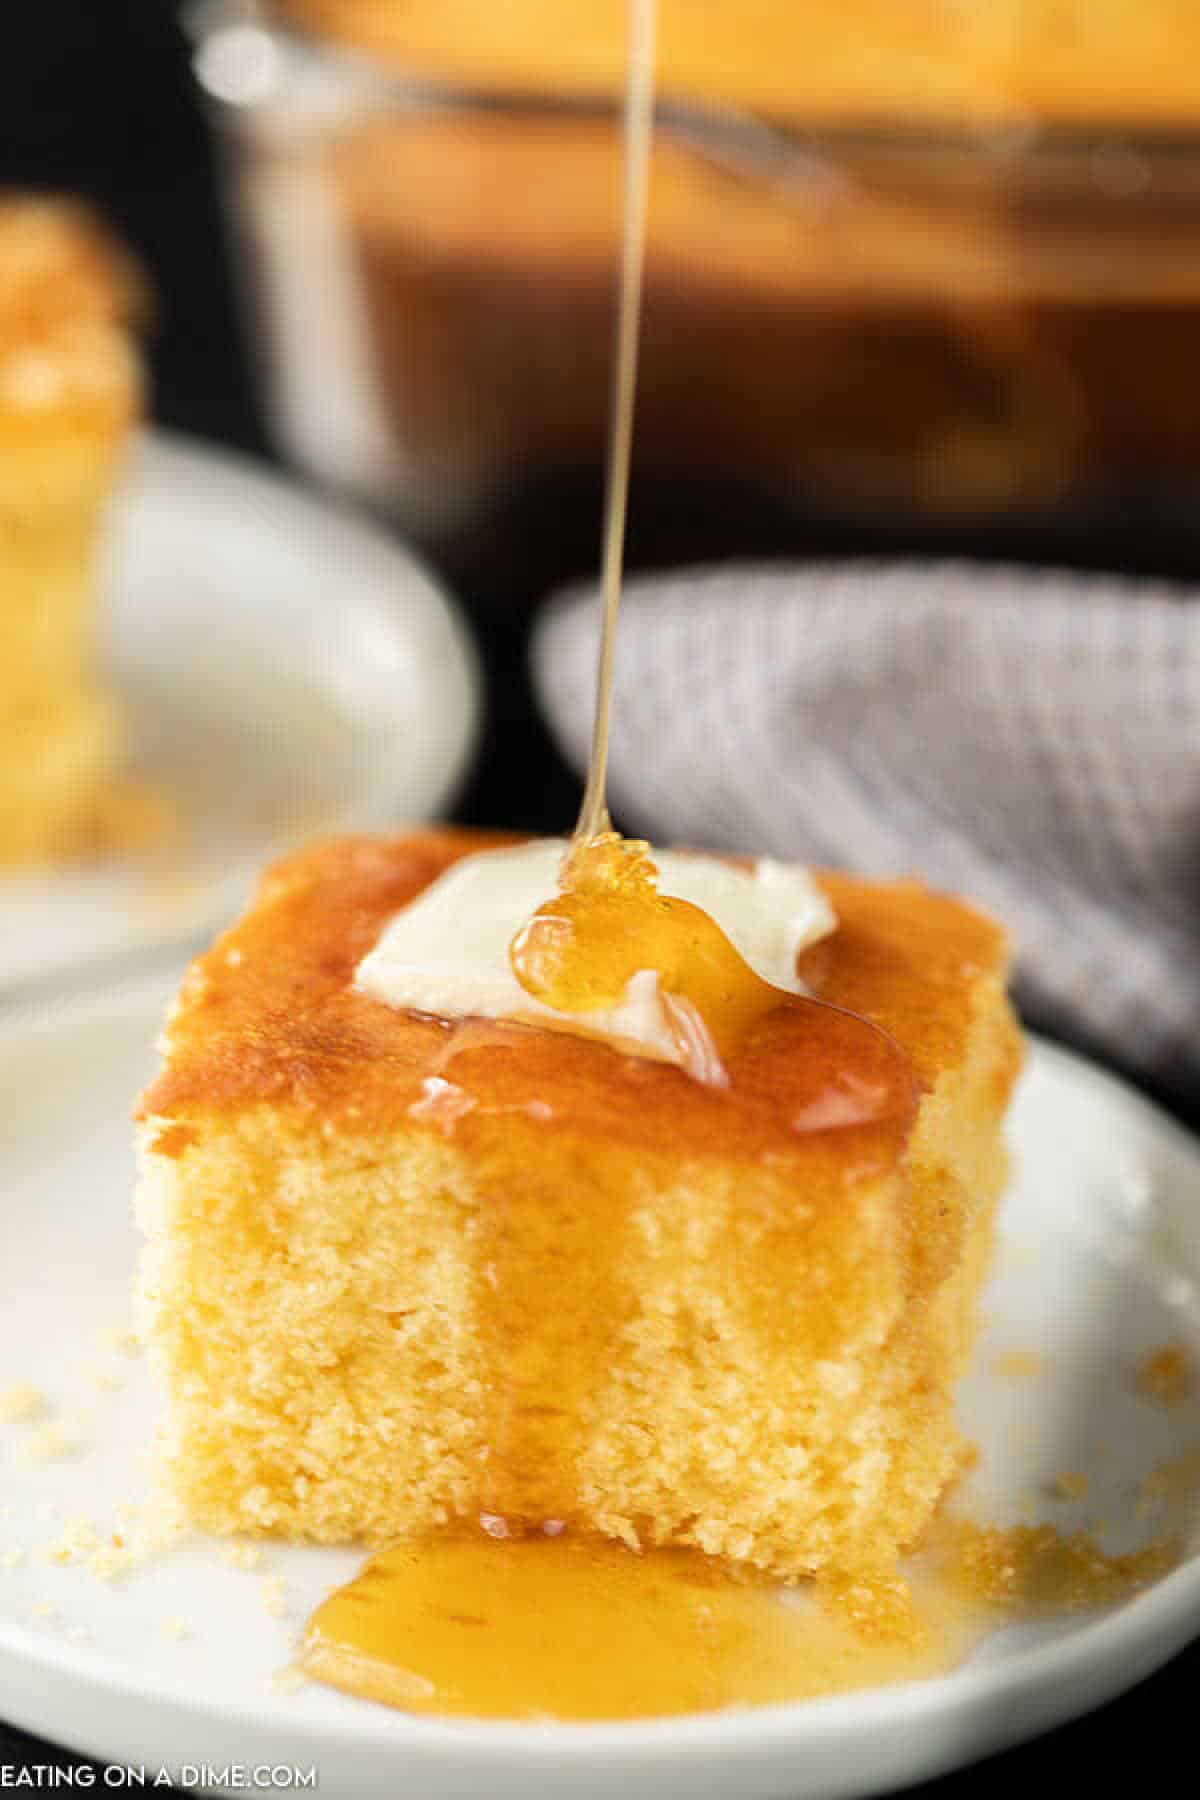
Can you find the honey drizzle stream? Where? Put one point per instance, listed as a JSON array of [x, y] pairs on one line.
[[638, 134]]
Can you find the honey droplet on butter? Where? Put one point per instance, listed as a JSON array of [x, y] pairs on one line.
[[574, 1627], [608, 923]]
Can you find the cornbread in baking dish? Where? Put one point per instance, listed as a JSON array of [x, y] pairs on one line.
[[401, 1270], [70, 389], [1083, 61]]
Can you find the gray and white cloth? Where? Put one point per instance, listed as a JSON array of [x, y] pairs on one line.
[[1028, 738]]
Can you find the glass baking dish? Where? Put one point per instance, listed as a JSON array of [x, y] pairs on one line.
[[887, 320]]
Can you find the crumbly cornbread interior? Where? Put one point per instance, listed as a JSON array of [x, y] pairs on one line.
[[400, 1271]]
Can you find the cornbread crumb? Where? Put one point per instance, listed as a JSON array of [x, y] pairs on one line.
[[1071, 1484], [175, 1629], [879, 1608], [156, 1526], [242, 1556], [49, 1443], [11, 1558], [79, 1537], [271, 1592], [1166, 1375], [111, 1561], [122, 1339], [21, 1403], [1035, 1569], [109, 1555], [42, 1609], [1019, 1365], [287, 1681]]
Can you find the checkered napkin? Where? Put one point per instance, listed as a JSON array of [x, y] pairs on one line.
[[1029, 738]]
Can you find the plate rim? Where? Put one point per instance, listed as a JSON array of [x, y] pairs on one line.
[[979, 1708]]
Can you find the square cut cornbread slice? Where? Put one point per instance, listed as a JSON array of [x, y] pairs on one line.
[[70, 394], [401, 1270]]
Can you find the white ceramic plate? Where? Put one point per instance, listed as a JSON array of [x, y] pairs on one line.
[[1099, 1262], [286, 668]]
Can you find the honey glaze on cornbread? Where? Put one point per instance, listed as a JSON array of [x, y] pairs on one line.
[[552, 1236], [609, 926]]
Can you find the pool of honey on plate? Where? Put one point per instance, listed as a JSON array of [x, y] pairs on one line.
[[552, 1625], [578, 1628]]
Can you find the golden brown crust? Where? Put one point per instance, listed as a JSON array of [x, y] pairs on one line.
[[911, 960], [270, 1015], [59, 264]]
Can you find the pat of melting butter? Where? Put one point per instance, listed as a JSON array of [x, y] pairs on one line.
[[447, 952]]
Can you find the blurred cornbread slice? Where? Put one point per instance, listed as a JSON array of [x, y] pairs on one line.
[[400, 1270], [70, 388]]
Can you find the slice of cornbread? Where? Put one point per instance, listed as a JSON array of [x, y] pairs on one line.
[[70, 389], [400, 1270]]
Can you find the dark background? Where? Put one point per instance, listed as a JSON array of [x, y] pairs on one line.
[[96, 97]]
